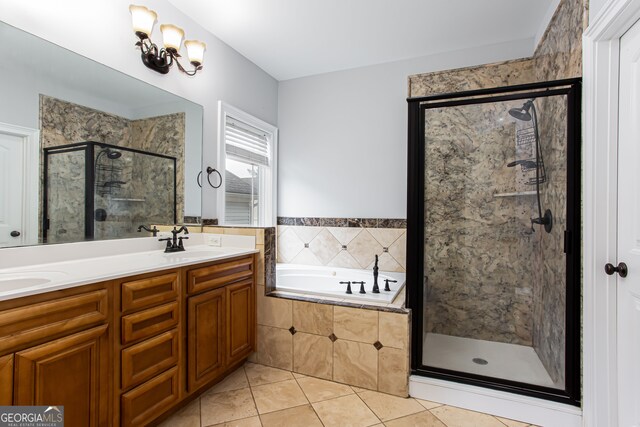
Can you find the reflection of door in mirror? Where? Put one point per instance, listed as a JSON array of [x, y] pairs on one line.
[[18, 198]]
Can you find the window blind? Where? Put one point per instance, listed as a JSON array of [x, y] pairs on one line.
[[246, 143]]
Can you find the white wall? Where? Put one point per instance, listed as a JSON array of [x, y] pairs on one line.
[[343, 135], [595, 6], [101, 30]]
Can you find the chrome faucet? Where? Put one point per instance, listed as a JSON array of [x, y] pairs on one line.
[[153, 230], [174, 244], [376, 289]]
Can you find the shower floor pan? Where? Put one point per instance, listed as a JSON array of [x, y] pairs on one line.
[[506, 361]]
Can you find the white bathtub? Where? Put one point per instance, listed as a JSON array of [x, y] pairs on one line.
[[325, 281]]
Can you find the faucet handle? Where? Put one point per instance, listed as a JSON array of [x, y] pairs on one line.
[[386, 284], [348, 286], [362, 291]]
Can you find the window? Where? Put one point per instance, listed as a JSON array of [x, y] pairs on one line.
[[247, 155]]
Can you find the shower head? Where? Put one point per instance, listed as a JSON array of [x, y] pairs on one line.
[[111, 154], [522, 113]]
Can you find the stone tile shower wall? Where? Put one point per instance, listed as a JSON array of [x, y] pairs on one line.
[[558, 56], [343, 242], [64, 123], [477, 245]]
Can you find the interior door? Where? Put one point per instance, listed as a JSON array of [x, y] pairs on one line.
[[11, 189], [628, 288]]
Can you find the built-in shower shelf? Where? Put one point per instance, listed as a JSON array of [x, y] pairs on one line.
[[122, 199], [516, 194]]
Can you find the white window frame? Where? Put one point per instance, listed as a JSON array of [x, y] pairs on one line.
[[268, 216]]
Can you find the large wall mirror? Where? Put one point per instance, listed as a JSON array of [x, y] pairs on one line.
[[87, 152]]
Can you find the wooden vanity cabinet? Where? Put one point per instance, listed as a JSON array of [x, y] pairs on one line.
[[55, 349], [128, 351]]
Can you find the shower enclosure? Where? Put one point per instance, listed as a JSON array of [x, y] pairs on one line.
[[494, 238], [95, 191]]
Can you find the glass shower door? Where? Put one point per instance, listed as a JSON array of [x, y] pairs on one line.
[[497, 207]]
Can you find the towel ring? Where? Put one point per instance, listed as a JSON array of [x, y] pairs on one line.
[[210, 170]]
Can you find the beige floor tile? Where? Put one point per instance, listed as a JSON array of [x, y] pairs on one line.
[[355, 363], [313, 318], [260, 374], [345, 411], [235, 381], [275, 347], [512, 423], [217, 408], [358, 389], [421, 419], [355, 324], [276, 396], [299, 375], [428, 404], [317, 390], [245, 422], [300, 416], [313, 355], [189, 416], [458, 417], [388, 407]]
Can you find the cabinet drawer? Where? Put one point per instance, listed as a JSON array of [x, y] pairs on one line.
[[147, 323], [148, 292], [148, 358], [217, 275], [145, 402], [34, 323]]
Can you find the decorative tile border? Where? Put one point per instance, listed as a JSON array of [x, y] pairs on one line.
[[344, 222]]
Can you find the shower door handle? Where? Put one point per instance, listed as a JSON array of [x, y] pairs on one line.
[[15, 233], [621, 269]]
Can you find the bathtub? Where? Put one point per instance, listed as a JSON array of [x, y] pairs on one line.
[[325, 281]]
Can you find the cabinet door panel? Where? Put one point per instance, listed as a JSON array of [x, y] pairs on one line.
[[219, 275], [150, 291], [205, 342], [6, 380], [240, 320], [72, 372], [148, 358], [147, 401]]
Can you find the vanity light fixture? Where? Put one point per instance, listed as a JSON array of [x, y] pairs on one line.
[[161, 59]]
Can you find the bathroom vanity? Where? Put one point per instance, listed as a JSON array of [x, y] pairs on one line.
[[128, 350]]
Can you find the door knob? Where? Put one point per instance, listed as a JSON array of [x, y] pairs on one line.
[[15, 233], [621, 269]]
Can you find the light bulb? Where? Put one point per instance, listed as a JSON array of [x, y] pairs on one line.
[[195, 51], [143, 20], [171, 36]]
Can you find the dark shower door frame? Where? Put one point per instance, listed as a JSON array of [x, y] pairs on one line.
[[572, 89], [89, 203]]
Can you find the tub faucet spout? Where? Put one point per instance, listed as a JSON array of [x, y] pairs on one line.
[[376, 289]]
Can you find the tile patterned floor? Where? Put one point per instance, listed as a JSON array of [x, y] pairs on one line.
[[257, 395]]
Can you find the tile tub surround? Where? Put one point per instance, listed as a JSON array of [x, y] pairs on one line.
[[343, 246], [63, 122], [356, 346], [256, 395], [557, 56]]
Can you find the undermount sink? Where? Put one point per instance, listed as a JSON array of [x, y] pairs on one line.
[[10, 281]]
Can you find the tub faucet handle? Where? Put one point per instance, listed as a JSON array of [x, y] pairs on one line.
[[348, 286], [362, 291], [386, 284]]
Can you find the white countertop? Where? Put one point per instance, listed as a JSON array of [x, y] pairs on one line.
[[34, 279]]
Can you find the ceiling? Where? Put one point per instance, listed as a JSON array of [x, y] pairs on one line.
[[295, 38]]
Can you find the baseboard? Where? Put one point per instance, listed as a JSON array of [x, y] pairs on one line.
[[508, 405]]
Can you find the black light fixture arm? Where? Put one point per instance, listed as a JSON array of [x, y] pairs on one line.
[[160, 59]]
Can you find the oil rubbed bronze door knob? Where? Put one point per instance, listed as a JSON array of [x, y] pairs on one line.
[[621, 269], [15, 233]]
